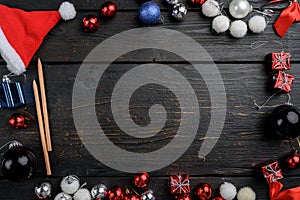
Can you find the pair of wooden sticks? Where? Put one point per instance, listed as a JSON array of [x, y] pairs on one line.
[[43, 120]]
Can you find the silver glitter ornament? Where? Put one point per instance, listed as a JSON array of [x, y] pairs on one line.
[[172, 2], [43, 190], [179, 11], [239, 8], [148, 195], [99, 191], [62, 196]]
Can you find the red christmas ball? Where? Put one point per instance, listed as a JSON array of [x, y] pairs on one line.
[[90, 23], [292, 160], [183, 197], [108, 9], [204, 191], [217, 198], [131, 197], [200, 2], [115, 194], [17, 121], [141, 180]]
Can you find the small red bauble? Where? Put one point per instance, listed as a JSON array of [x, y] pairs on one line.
[[131, 197], [204, 191], [17, 121], [108, 9], [292, 160], [217, 198], [200, 2], [141, 180], [183, 197], [90, 23], [115, 194]]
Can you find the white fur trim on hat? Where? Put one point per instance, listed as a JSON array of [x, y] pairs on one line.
[[11, 57], [67, 11]]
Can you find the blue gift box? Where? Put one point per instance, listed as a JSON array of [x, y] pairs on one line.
[[11, 95]]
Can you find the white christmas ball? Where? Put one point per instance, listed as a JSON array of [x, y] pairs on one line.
[[239, 8], [211, 8], [70, 184], [227, 191], [62, 196], [238, 29], [220, 24], [82, 194], [246, 193], [257, 24]]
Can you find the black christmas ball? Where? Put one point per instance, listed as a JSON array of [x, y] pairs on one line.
[[285, 121], [18, 164]]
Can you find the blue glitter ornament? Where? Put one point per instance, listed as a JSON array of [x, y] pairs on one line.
[[149, 13]]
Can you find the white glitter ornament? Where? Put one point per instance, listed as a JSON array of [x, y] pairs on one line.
[[211, 8], [227, 191], [246, 193], [238, 29], [62, 196], [257, 24], [70, 184], [82, 194], [220, 24]]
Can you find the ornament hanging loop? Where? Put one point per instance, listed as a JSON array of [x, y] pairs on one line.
[[261, 43]]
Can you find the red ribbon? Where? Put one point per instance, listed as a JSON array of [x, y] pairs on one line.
[[289, 194], [288, 16]]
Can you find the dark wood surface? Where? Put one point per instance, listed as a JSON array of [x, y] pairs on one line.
[[241, 145]]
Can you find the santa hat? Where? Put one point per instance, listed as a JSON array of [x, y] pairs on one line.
[[22, 33]]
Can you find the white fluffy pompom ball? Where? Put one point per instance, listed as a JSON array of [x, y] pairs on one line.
[[257, 24], [70, 184], [220, 24], [67, 11], [238, 29], [211, 8], [246, 193], [62, 196], [227, 191], [82, 194]]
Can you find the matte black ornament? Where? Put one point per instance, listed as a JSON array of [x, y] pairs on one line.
[[18, 163], [285, 121]]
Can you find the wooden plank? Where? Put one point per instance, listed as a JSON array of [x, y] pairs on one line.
[[239, 148]]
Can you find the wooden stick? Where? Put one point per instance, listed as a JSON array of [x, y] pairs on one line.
[[44, 105], [41, 126]]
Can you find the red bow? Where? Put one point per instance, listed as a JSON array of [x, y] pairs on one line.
[[288, 16], [289, 194]]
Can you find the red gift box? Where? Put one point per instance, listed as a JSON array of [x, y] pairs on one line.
[[281, 61], [272, 172], [180, 184], [284, 81]]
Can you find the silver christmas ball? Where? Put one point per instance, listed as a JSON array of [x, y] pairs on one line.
[[70, 184], [172, 2], [99, 191], [148, 195], [179, 11], [62, 196], [239, 8], [43, 190]]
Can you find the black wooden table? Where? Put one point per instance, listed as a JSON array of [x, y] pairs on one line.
[[240, 147]]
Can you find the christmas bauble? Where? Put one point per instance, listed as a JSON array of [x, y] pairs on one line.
[[227, 191], [285, 121], [18, 163], [217, 198], [238, 29], [82, 194], [141, 180], [131, 197], [246, 193], [148, 195], [17, 121], [43, 190], [149, 13], [204, 191], [179, 11], [257, 24], [183, 197], [70, 184], [99, 191], [108, 9], [90, 23], [239, 8], [115, 194], [292, 160], [172, 2], [211, 8], [62, 196], [200, 2], [220, 24]]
